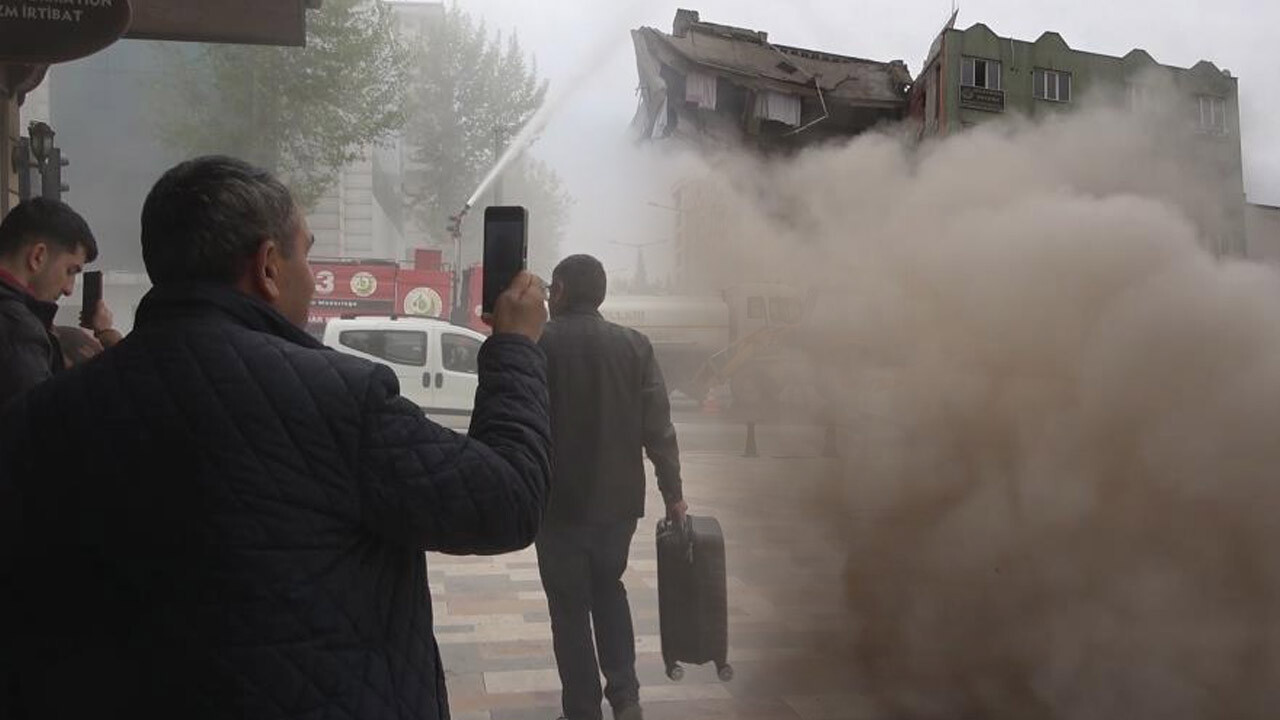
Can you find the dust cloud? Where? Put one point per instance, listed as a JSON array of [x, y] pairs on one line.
[[1061, 494]]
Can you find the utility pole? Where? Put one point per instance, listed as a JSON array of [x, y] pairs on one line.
[[641, 280]]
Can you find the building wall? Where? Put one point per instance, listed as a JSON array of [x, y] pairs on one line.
[[365, 213], [1263, 230], [1096, 80], [349, 222]]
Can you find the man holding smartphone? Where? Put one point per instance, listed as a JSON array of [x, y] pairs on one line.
[[241, 530], [609, 407]]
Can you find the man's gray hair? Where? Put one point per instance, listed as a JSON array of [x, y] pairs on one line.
[[205, 218]]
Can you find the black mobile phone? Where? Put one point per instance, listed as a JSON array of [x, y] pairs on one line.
[[91, 294], [506, 250]]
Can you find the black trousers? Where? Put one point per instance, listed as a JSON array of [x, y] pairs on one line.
[[581, 570]]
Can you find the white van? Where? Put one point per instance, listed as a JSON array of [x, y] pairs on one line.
[[436, 362]]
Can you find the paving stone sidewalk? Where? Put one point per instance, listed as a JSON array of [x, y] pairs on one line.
[[784, 580]]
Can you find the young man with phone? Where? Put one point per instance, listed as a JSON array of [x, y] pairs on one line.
[[44, 245], [609, 407]]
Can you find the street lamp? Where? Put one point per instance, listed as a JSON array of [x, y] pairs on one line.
[[641, 275], [41, 141]]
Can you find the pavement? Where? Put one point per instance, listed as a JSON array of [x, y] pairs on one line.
[[783, 575]]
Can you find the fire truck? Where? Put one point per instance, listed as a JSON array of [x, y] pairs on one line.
[[347, 287]]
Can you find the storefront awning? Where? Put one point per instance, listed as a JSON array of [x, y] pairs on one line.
[[252, 22]]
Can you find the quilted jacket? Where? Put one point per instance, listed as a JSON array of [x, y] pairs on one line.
[[219, 518], [29, 354], [609, 407]]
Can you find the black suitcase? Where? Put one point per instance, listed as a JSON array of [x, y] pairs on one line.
[[693, 608]]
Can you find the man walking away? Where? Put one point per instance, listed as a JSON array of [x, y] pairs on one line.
[[240, 531], [609, 406], [44, 245]]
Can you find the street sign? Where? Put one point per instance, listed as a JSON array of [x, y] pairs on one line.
[[43, 32]]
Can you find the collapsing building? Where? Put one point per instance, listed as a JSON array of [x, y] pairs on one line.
[[718, 85]]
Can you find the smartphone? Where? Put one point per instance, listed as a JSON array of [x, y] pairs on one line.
[[506, 251], [90, 294]]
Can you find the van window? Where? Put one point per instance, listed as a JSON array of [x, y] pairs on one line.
[[403, 347], [461, 353], [785, 310], [755, 308]]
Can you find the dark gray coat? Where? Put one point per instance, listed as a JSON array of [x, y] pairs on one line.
[[609, 407], [29, 355]]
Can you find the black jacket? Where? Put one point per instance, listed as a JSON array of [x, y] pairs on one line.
[[609, 406], [219, 518], [29, 354]]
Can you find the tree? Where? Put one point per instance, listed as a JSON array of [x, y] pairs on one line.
[[471, 93], [304, 113]]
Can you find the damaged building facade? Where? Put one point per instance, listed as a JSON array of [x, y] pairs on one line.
[[729, 86], [716, 87]]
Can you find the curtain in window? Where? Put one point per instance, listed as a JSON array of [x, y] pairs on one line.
[[700, 89], [778, 107]]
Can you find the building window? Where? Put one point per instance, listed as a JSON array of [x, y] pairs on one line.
[[1051, 85], [1213, 114], [785, 310], [980, 73]]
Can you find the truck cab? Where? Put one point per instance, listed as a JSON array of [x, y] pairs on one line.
[[436, 362]]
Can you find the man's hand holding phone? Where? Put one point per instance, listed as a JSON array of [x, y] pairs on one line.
[[522, 308]]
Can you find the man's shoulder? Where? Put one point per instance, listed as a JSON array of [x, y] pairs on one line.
[[20, 326], [573, 335], [592, 325], [307, 358], [14, 311], [261, 354]]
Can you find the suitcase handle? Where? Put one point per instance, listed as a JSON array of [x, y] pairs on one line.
[[684, 531]]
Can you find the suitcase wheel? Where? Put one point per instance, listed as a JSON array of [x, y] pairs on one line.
[[675, 672], [725, 672]]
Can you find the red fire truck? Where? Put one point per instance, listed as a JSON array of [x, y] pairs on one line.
[[358, 286]]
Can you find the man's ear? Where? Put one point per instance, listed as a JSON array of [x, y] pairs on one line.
[[37, 256], [265, 271]]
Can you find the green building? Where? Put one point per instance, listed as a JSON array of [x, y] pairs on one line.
[[974, 76]]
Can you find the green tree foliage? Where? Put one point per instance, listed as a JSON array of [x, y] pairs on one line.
[[471, 93], [303, 112]]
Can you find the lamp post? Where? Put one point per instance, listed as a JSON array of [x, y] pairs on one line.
[[37, 151], [41, 143], [641, 280], [681, 255]]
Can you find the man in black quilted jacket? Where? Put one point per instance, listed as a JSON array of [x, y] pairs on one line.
[[609, 407], [220, 518]]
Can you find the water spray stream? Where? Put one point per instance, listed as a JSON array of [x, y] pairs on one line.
[[528, 134]]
